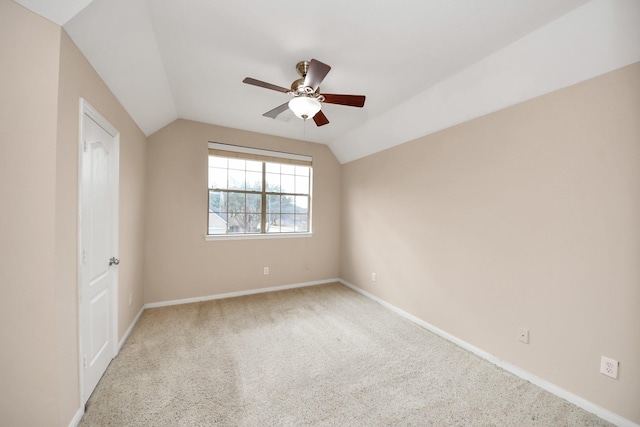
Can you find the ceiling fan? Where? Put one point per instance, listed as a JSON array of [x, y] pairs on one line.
[[306, 93]]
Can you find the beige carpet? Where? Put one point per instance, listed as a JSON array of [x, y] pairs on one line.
[[316, 356]]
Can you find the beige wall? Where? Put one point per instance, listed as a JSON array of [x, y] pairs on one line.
[[78, 79], [42, 77], [181, 264], [528, 217], [29, 48]]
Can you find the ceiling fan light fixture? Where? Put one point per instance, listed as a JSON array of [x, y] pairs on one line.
[[307, 99], [304, 107]]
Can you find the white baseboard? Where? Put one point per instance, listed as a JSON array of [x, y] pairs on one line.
[[128, 332], [542, 383], [238, 294], [77, 418]]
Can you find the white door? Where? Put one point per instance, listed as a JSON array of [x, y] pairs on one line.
[[98, 247]]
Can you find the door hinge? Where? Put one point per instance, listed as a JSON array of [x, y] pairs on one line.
[[84, 361], [84, 256], [84, 146]]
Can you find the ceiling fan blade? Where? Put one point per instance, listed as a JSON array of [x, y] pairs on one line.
[[350, 100], [320, 119], [316, 73], [274, 113], [265, 85]]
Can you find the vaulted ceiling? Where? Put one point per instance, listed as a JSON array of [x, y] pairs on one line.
[[168, 59]]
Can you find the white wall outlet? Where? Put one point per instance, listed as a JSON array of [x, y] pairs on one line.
[[266, 271], [609, 367], [374, 277], [523, 335]]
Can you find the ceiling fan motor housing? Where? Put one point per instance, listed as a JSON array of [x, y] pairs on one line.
[[297, 87], [302, 68]]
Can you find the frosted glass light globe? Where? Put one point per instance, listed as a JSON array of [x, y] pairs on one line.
[[304, 107]]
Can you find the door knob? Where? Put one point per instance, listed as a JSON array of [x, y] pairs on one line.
[[113, 261]]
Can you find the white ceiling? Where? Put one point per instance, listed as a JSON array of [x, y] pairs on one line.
[[168, 59]]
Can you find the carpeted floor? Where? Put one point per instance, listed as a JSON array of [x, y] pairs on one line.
[[315, 356]]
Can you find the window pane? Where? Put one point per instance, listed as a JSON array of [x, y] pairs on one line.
[[301, 223], [288, 184], [302, 170], [273, 223], [302, 204], [254, 166], [273, 203], [273, 167], [217, 178], [218, 162], [215, 201], [273, 213], [289, 169], [273, 182], [236, 180], [254, 203], [236, 223], [286, 204], [252, 223], [286, 223], [254, 181], [302, 185], [237, 203], [238, 164], [217, 223]]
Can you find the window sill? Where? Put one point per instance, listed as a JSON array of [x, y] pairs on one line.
[[216, 237]]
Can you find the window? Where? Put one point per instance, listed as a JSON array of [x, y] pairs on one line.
[[255, 191]]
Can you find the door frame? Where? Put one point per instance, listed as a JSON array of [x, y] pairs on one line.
[[87, 109]]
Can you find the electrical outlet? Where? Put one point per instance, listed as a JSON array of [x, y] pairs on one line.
[[374, 277], [523, 335], [266, 271], [609, 367]]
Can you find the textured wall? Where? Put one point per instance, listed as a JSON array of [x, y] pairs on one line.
[[181, 264], [527, 217]]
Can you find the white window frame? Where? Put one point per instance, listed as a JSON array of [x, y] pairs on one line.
[[275, 155]]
